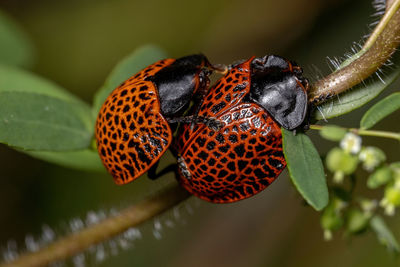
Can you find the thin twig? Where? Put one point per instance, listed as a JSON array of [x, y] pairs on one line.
[[384, 134], [386, 41], [104, 230]]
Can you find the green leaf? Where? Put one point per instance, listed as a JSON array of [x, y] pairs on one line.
[[333, 132], [38, 122], [86, 160], [14, 79], [356, 97], [15, 47], [380, 110], [305, 169], [133, 63], [17, 80], [356, 221], [384, 234]]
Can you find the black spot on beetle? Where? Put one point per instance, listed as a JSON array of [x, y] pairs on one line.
[[144, 96], [216, 108], [260, 174], [260, 147], [220, 138], [211, 162], [200, 141], [233, 138], [129, 168], [224, 148], [231, 166], [203, 155], [222, 174], [143, 88], [209, 178], [242, 164], [211, 145], [240, 150]]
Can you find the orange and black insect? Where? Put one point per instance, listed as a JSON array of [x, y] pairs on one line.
[[245, 155], [132, 129]]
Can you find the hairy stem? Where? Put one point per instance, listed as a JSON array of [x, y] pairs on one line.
[[391, 10], [104, 230], [389, 4], [377, 50], [362, 132]]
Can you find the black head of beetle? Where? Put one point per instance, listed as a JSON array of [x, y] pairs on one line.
[[178, 82], [278, 86]]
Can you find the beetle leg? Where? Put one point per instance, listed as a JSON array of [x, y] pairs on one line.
[[152, 173], [201, 93]]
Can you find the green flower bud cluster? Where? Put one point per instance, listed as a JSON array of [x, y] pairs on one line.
[[343, 212], [339, 214], [390, 176], [332, 218]]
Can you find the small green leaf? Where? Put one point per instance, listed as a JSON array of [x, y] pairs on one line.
[[379, 177], [331, 219], [15, 47], [38, 122], [380, 110], [305, 169], [356, 221], [356, 97], [392, 195], [384, 234], [333, 132], [133, 63], [85, 160]]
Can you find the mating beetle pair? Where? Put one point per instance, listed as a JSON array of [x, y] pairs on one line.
[[228, 148]]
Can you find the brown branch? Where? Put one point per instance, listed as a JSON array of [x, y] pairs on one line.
[[382, 43], [104, 230]]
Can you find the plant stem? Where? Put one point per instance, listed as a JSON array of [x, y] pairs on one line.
[[362, 132], [384, 134], [378, 49], [389, 4], [391, 10], [110, 227]]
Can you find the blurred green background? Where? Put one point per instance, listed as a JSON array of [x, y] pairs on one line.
[[76, 45]]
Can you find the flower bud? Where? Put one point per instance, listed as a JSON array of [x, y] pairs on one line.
[[331, 218], [368, 206], [351, 143], [338, 160], [357, 221], [371, 157], [391, 199], [381, 176]]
